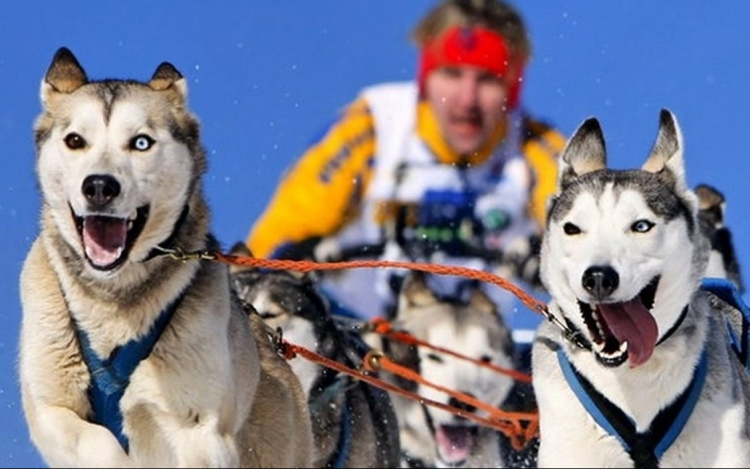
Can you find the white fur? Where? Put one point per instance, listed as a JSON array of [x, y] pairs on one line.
[[716, 434], [471, 333], [213, 392]]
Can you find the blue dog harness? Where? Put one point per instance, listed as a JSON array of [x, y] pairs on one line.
[[726, 291], [110, 376], [647, 448]]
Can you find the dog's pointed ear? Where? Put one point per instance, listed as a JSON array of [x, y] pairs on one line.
[[167, 76], [711, 203], [481, 301], [240, 249], [585, 152], [666, 155], [64, 75], [415, 291]]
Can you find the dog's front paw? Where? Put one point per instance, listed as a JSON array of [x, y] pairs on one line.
[[206, 448], [97, 447]]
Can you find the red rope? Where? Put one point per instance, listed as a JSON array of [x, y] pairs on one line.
[[309, 266], [510, 423], [383, 327]]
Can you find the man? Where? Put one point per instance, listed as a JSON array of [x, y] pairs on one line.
[[447, 168]]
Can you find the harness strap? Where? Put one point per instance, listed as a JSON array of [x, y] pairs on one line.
[[345, 438], [646, 448], [727, 292], [110, 376]]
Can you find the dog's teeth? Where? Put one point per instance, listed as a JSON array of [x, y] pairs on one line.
[[130, 224], [598, 348]]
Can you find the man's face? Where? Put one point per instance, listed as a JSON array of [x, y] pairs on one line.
[[468, 102]]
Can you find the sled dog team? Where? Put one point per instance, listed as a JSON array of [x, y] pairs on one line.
[[130, 358]]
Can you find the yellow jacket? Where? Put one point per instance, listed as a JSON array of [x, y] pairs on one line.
[[323, 191]]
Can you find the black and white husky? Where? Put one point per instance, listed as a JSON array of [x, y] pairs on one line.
[[641, 371], [354, 422]]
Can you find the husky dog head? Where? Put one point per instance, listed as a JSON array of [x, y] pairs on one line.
[[622, 252], [474, 329], [291, 302], [119, 165]]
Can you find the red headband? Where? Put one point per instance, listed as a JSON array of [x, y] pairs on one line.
[[477, 46]]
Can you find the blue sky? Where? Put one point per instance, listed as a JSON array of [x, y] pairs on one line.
[[265, 76]]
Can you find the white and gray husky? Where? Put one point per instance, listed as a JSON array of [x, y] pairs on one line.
[[130, 358], [637, 368], [472, 327]]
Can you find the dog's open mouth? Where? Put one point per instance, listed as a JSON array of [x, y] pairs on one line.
[[454, 443], [108, 240], [623, 331]]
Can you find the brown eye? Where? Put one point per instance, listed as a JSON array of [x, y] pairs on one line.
[[571, 229], [74, 141], [435, 357]]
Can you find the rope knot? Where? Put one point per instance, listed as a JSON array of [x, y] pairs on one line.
[[372, 361], [381, 326]]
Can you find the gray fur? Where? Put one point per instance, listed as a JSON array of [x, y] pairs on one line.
[[643, 226], [337, 401]]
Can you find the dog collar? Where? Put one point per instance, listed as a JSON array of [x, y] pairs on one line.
[[645, 448], [674, 327], [167, 245]]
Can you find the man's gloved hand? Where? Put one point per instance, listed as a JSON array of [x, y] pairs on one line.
[[494, 222], [327, 250]]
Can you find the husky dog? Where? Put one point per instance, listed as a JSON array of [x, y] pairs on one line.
[[723, 261], [432, 437], [354, 422], [635, 367], [127, 357]]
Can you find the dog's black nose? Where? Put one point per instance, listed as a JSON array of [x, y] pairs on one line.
[[100, 189], [600, 281]]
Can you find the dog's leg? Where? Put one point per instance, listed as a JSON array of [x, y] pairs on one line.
[[280, 423], [50, 364], [66, 440], [204, 445]]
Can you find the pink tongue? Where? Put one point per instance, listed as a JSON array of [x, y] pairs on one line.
[[631, 322], [104, 238], [454, 443]]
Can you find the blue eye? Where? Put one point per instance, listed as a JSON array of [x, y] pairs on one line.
[[141, 142], [642, 226]]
